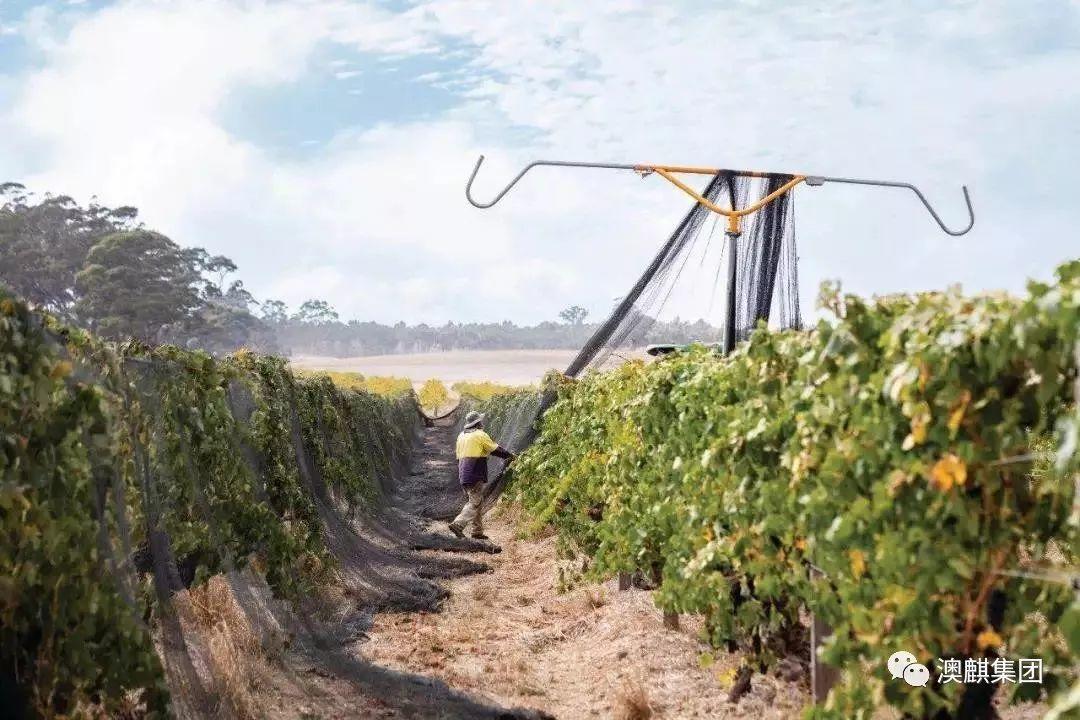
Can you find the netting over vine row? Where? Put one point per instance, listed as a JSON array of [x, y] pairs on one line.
[[179, 513], [766, 287]]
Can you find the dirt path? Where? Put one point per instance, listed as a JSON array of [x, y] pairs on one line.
[[423, 625], [510, 637], [262, 658]]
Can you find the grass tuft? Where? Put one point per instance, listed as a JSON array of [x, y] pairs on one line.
[[236, 654], [633, 702]]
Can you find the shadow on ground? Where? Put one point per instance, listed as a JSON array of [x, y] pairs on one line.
[[383, 570]]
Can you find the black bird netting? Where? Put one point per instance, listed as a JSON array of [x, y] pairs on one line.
[[766, 273], [170, 518], [765, 288]]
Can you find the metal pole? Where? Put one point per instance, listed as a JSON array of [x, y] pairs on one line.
[[732, 262]]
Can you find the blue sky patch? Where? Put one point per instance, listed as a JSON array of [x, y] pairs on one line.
[[341, 91]]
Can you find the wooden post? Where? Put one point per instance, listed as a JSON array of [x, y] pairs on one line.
[[671, 620], [822, 676], [624, 581]]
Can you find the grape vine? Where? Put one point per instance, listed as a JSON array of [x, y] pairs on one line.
[[105, 445], [901, 448]]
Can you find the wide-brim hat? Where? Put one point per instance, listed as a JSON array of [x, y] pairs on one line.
[[473, 418]]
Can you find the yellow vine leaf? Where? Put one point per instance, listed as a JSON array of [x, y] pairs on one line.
[[726, 678], [956, 414], [948, 472], [988, 639], [870, 638], [858, 563], [920, 425], [60, 369]]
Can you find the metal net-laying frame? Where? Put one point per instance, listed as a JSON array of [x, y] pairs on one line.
[[761, 262]]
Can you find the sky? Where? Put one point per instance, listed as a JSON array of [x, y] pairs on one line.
[[324, 145]]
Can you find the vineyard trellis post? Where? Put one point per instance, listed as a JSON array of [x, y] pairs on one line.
[[822, 677]]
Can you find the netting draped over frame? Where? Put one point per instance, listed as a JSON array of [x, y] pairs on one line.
[[766, 272], [766, 283]]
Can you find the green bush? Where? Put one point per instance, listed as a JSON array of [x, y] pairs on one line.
[[896, 448], [57, 619], [105, 444]]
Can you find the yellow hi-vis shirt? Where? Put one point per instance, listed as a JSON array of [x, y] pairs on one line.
[[473, 448], [474, 444]]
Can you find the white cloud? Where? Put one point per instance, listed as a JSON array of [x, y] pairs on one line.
[[126, 105], [967, 93]]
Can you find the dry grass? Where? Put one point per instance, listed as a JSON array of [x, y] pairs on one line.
[[508, 367], [632, 702], [128, 707], [236, 660], [330, 600], [482, 594], [594, 598], [233, 676], [510, 636]]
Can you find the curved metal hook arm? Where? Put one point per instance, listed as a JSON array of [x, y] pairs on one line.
[[645, 169], [819, 180], [527, 168]]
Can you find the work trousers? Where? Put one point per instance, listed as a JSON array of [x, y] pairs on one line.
[[472, 512]]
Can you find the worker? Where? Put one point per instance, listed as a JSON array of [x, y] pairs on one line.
[[474, 446]]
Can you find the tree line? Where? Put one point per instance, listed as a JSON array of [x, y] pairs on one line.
[[101, 268]]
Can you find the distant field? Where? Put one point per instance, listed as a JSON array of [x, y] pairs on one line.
[[510, 367]]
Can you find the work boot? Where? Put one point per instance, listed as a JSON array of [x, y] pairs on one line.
[[478, 535], [457, 530]]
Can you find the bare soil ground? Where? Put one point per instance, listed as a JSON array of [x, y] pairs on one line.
[[510, 367], [510, 637]]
